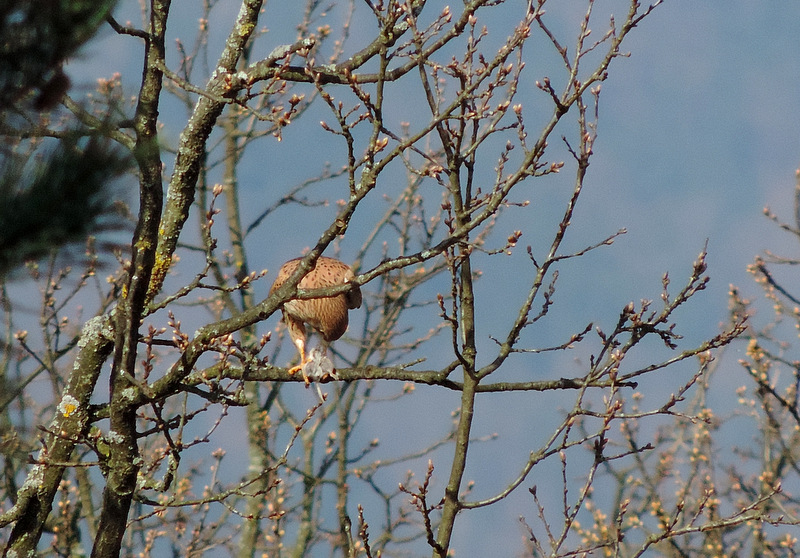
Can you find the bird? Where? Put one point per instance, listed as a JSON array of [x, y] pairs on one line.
[[328, 316]]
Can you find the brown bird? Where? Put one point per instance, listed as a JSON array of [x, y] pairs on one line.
[[328, 316]]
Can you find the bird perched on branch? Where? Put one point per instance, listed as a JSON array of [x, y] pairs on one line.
[[327, 315]]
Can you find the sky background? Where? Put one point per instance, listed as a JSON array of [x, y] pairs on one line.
[[698, 133]]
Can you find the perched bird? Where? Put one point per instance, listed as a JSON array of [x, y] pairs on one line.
[[328, 316]]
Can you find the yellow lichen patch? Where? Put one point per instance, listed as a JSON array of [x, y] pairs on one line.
[[68, 406], [160, 269]]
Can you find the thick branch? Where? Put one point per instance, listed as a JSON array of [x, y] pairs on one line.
[[35, 499], [123, 457], [191, 148]]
